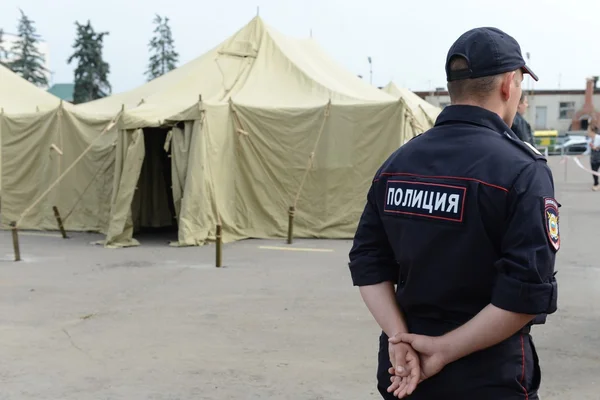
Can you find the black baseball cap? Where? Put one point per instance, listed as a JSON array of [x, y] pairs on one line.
[[487, 51]]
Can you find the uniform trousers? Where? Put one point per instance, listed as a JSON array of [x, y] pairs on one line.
[[509, 370]]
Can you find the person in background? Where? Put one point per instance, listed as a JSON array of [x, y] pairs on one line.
[[594, 141], [520, 126]]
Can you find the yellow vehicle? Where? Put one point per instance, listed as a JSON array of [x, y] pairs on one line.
[[546, 139]]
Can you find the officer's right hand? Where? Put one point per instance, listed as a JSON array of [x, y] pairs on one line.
[[405, 371], [432, 354]]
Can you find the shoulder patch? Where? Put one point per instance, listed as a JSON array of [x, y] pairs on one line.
[[429, 200], [551, 221]]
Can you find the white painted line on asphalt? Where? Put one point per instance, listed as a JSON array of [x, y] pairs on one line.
[[40, 234], [295, 249]]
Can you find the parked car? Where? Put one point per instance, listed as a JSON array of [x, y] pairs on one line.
[[570, 142], [573, 144]]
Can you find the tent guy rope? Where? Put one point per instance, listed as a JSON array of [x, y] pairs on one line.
[[60, 178], [108, 158], [311, 157]]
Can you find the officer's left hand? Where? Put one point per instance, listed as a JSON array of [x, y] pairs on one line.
[[404, 381]]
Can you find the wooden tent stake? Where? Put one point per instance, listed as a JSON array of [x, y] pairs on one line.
[[60, 223], [219, 242], [15, 237], [290, 224]]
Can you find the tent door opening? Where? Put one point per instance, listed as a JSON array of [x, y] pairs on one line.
[[153, 210]]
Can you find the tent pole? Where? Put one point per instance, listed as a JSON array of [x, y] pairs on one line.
[[219, 240], [15, 237], [60, 223]]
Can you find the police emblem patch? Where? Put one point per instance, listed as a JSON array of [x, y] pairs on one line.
[[551, 219]]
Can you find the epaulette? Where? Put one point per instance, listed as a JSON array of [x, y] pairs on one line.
[[532, 148], [526, 147]]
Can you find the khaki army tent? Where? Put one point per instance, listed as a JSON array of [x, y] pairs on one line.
[[424, 112], [41, 140], [236, 137], [19, 96]]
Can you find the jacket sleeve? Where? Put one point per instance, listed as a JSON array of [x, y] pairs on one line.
[[526, 279], [372, 258]]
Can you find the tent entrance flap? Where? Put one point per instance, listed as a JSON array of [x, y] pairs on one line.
[[152, 208]]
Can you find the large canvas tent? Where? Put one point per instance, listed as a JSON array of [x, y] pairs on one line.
[[259, 124], [41, 139], [18, 96], [424, 112]]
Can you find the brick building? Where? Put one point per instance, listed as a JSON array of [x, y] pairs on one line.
[[560, 110]]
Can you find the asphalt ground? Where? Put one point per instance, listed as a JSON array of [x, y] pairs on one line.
[[78, 321]]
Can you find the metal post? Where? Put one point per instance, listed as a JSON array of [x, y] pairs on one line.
[[291, 212], [219, 254], [566, 160], [59, 221], [15, 237]]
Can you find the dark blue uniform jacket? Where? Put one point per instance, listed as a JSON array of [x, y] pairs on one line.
[[462, 216]]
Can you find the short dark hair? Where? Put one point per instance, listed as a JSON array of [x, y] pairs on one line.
[[477, 88]]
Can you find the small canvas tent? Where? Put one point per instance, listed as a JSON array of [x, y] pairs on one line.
[[257, 125], [424, 112], [41, 138]]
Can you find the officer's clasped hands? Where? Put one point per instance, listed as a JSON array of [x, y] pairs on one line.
[[405, 371], [414, 358]]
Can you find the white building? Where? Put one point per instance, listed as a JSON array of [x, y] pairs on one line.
[[8, 40], [548, 109]]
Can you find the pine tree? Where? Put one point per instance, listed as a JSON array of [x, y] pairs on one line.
[[28, 62], [3, 55], [91, 74], [162, 45]]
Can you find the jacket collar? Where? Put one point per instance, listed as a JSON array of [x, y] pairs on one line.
[[475, 116]]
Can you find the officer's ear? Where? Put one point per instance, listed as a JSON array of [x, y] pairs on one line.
[[507, 85]]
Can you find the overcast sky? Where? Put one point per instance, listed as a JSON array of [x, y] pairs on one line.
[[407, 40]]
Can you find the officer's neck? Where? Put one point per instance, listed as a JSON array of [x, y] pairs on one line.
[[489, 104]]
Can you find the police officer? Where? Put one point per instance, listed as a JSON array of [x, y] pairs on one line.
[[520, 126], [463, 220]]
